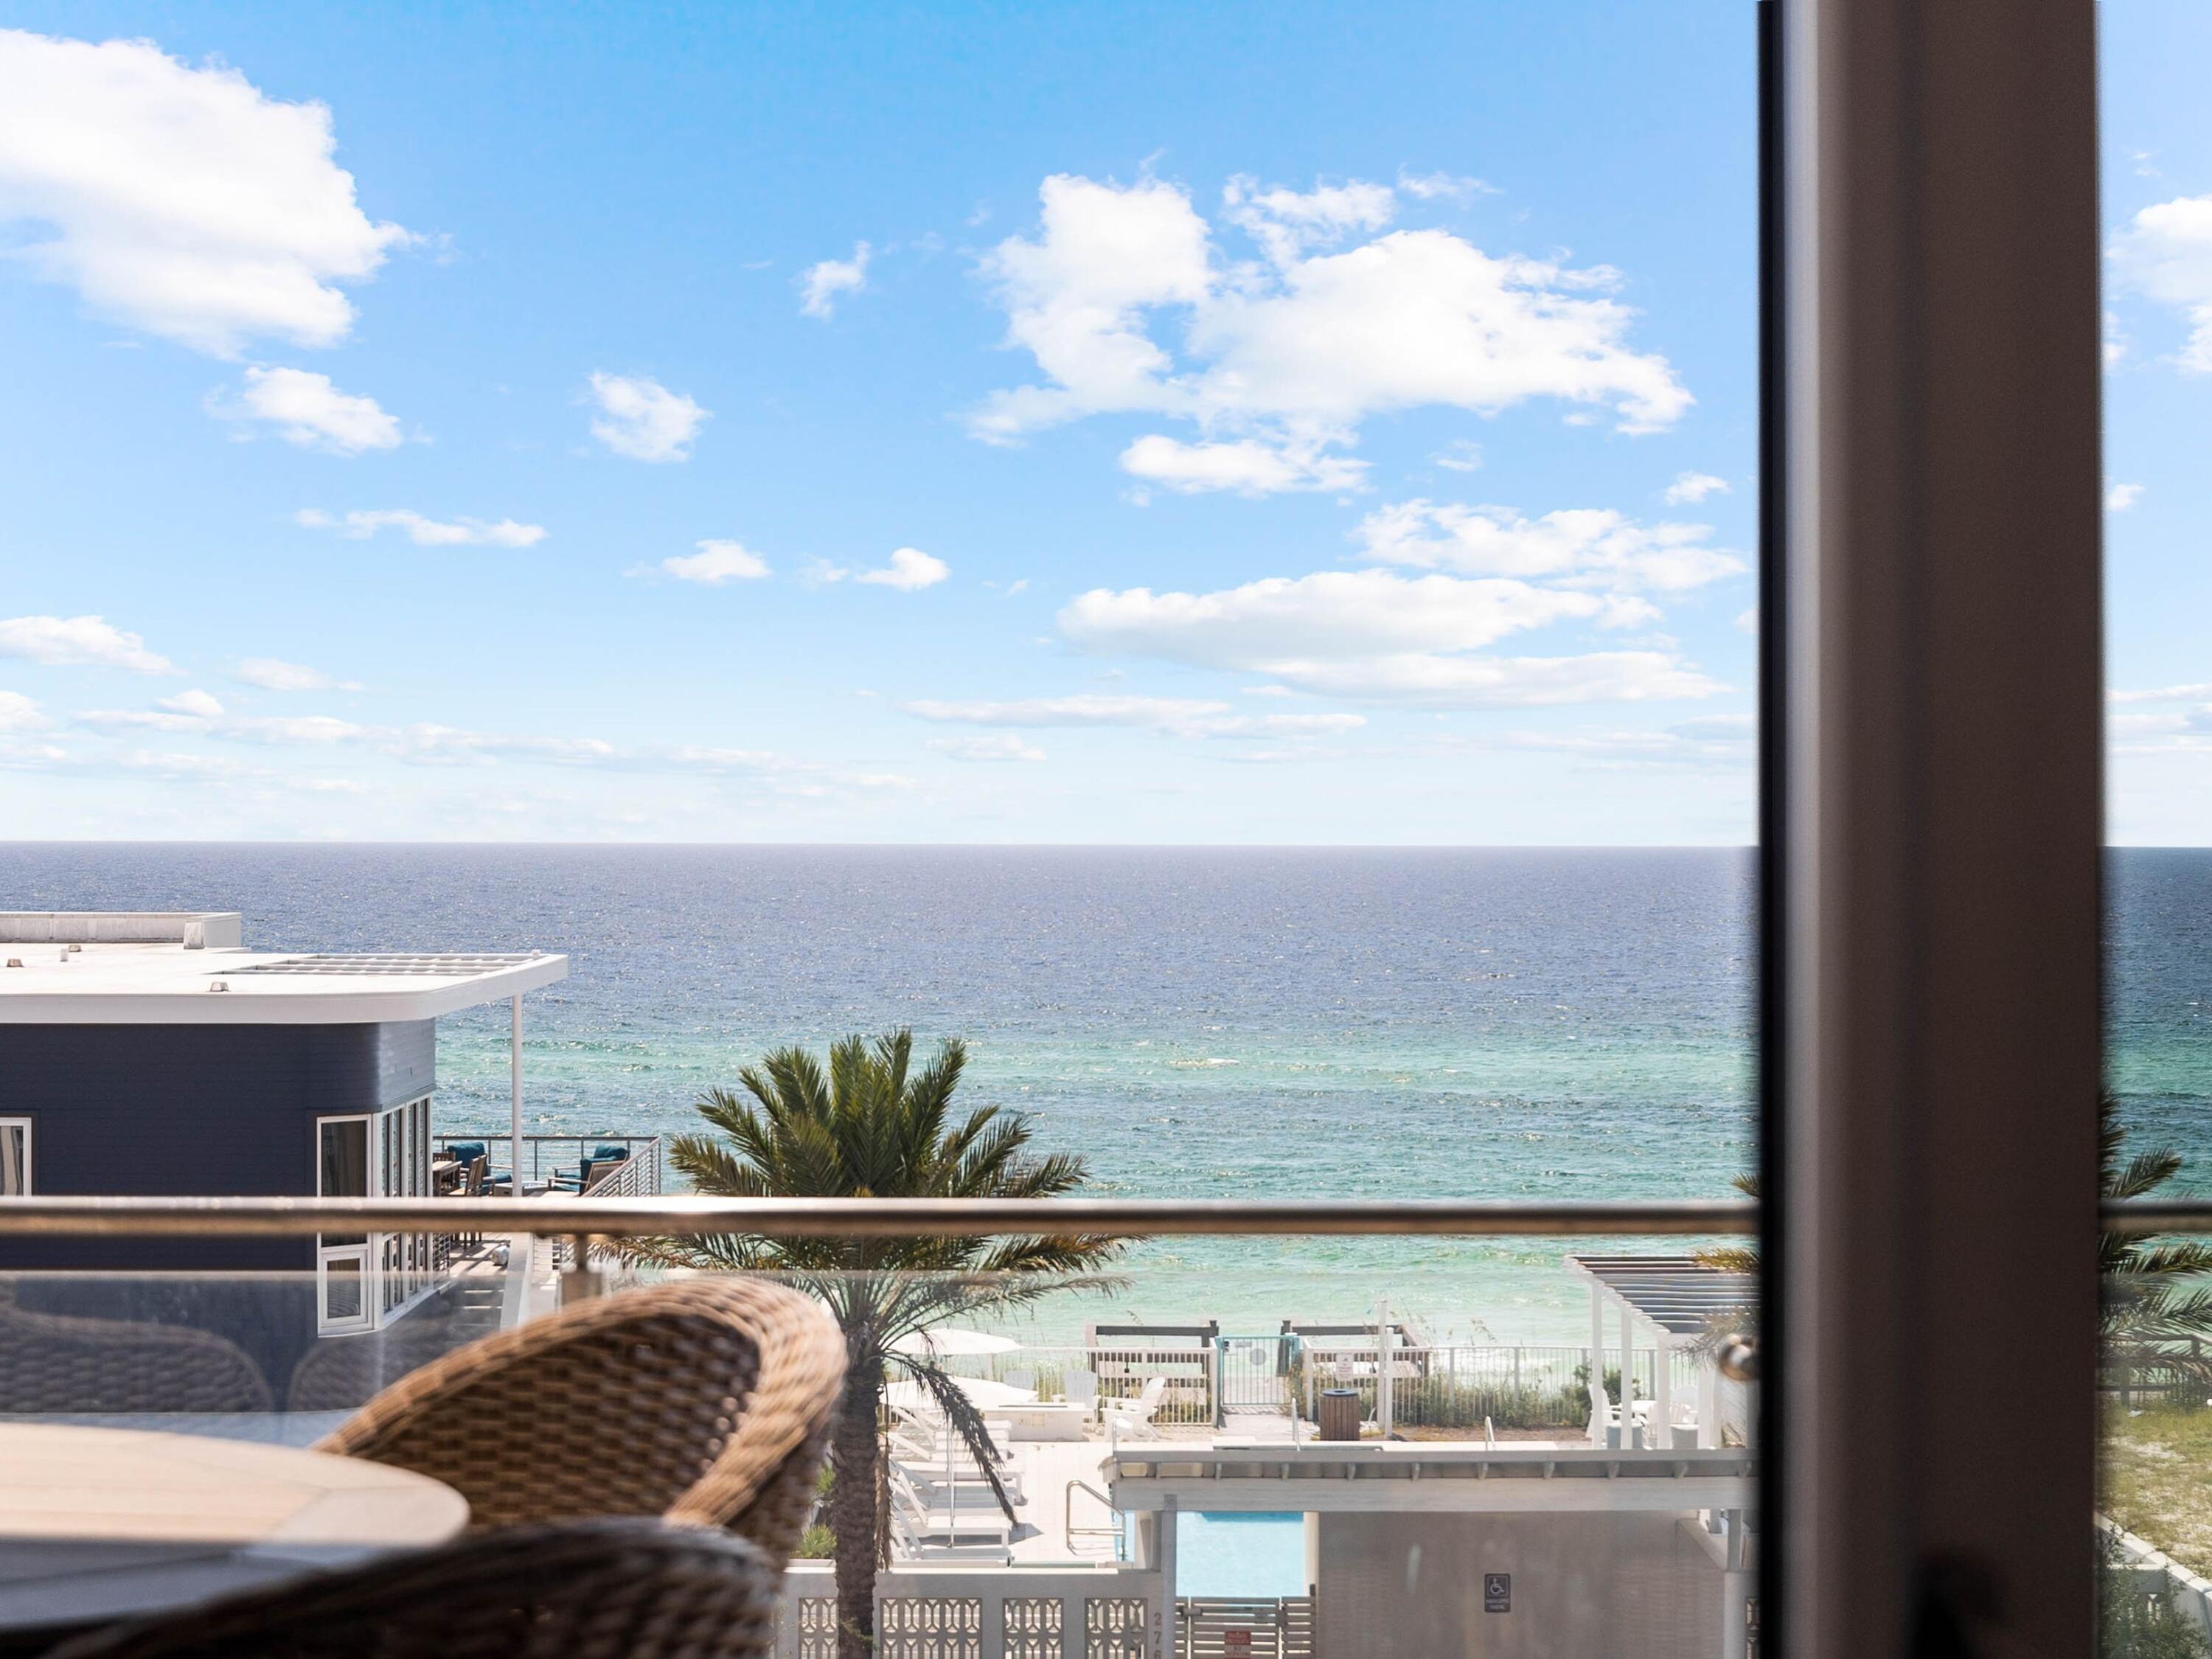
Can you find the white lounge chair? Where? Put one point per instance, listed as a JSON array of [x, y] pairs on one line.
[[907, 1545], [1132, 1420], [943, 1460], [935, 1522]]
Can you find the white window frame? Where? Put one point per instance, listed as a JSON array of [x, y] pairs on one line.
[[396, 1269], [30, 1128]]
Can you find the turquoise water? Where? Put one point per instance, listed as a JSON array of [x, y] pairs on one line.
[[1259, 1022], [1255, 1555]]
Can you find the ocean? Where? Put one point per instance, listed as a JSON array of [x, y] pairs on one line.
[[1197, 1022]]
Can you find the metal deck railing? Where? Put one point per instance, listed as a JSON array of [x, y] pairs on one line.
[[37, 1215]]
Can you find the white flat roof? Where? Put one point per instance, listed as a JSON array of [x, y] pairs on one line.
[[165, 982]]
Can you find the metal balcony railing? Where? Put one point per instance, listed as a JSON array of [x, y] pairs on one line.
[[891, 1218]]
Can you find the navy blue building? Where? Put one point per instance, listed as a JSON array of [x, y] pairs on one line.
[[153, 1055]]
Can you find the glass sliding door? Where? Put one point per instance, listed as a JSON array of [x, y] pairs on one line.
[[2154, 1384], [343, 1280], [381, 1155]]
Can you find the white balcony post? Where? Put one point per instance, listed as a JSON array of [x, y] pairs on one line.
[[1169, 1648], [514, 1093], [1627, 1377], [1596, 1362], [1384, 1401], [1663, 1392]]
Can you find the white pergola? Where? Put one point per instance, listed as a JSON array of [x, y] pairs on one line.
[[1674, 1301]]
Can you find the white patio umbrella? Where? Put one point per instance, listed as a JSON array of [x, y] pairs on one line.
[[909, 1396], [947, 1342]]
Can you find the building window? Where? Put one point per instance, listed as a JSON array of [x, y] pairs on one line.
[[365, 1280], [15, 1156]]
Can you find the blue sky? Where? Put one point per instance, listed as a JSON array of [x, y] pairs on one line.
[[1252, 424]]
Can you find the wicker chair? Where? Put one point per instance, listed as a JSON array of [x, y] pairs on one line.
[[622, 1589], [60, 1363], [706, 1401]]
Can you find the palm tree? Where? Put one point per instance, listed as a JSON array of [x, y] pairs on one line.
[[871, 1126], [2148, 1311], [1735, 1258], [2155, 1304]]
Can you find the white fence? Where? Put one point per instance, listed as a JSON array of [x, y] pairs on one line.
[[1511, 1385], [981, 1613], [1037, 1612], [1507, 1385]]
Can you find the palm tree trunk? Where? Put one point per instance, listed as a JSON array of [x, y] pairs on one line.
[[854, 1449]]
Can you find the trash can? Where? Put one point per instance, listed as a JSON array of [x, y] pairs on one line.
[[1340, 1413]]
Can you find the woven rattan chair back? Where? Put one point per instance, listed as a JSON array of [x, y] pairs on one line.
[[60, 1363], [583, 1589], [708, 1400]]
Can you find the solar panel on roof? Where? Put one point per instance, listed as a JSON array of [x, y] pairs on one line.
[[449, 963]]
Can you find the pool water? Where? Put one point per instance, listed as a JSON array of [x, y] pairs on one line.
[[1255, 1555]]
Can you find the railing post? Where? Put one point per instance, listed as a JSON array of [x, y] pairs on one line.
[[581, 1281], [515, 1095]]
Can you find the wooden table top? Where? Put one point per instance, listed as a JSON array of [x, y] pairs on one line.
[[100, 1523]]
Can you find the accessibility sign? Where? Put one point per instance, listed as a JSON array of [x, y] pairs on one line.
[[1498, 1592]]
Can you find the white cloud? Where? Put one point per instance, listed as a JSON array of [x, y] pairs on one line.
[[1718, 742], [2122, 497], [201, 705], [1075, 295], [1001, 746], [177, 200], [2165, 694], [1333, 616], [2166, 253], [1377, 635], [424, 531], [1473, 682], [1694, 487], [1578, 547], [644, 420], [1300, 348], [1461, 455], [272, 675], [1183, 717], [909, 568], [1287, 223], [1747, 621], [79, 640], [819, 285], [306, 410], [1428, 186], [19, 714], [1247, 465], [716, 562]]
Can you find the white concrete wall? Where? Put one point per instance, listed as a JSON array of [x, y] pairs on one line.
[[1588, 1586]]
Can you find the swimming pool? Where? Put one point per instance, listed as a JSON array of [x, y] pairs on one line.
[[1241, 1555]]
